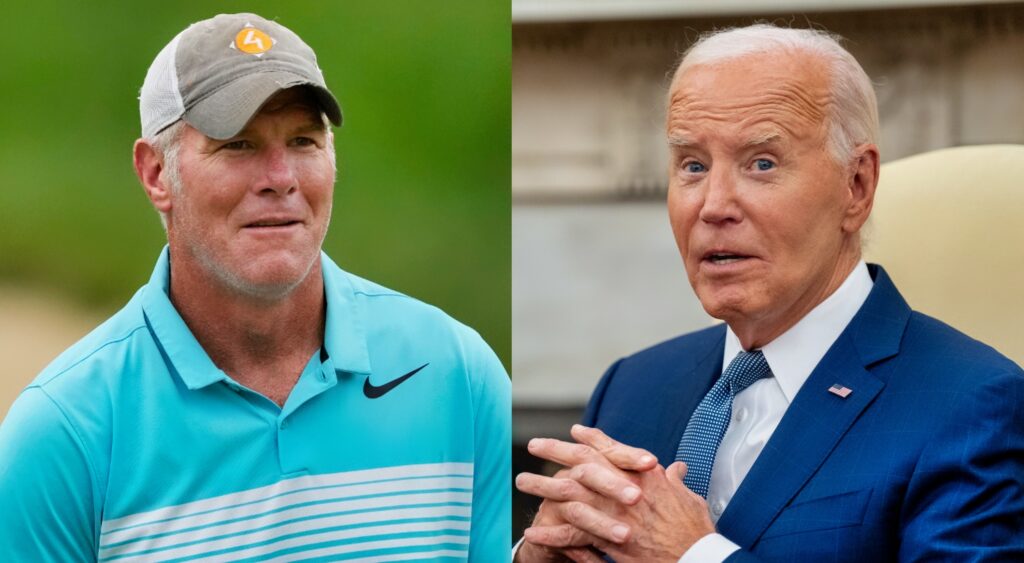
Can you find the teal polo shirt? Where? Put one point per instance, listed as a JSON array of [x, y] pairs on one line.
[[394, 444]]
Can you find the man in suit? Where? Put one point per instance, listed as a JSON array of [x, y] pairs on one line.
[[825, 420]]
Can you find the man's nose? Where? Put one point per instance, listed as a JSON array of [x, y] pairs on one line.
[[720, 203], [278, 172]]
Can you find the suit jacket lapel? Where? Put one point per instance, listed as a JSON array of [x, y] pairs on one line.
[[681, 397], [811, 427], [817, 420]]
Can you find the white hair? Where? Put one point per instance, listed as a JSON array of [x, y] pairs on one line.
[[853, 115], [168, 143]]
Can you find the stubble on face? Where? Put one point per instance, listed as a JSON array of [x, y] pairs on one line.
[[253, 211]]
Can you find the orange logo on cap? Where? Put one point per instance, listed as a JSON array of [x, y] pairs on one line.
[[253, 41]]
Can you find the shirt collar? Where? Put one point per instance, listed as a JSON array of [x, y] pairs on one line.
[[793, 355], [344, 331], [179, 345], [344, 336]]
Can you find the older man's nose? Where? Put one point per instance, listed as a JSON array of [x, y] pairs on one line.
[[278, 172], [720, 204]]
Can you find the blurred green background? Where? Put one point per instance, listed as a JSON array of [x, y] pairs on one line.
[[422, 199]]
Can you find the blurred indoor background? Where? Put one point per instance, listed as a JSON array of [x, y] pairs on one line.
[[596, 274], [421, 203]]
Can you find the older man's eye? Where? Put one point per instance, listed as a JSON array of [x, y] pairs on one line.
[[303, 142], [694, 167], [763, 164]]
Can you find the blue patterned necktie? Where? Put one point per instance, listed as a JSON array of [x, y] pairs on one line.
[[711, 418]]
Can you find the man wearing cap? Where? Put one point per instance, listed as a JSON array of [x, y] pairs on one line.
[[253, 400]]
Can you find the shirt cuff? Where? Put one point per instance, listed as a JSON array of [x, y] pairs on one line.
[[712, 548]]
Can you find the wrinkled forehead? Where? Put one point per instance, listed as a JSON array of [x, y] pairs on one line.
[[789, 89]]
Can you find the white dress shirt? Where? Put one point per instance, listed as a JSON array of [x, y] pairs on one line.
[[758, 409]]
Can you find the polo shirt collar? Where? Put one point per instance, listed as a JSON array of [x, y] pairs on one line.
[[192, 364], [344, 330], [344, 333]]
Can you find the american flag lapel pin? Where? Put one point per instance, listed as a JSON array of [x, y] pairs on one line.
[[840, 390]]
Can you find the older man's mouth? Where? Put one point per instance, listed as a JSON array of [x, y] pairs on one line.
[[724, 258]]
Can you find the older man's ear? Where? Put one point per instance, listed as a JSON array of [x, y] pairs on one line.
[[863, 179], [149, 165]]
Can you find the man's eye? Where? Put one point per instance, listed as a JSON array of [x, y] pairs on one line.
[[764, 164], [236, 145], [694, 167], [303, 142]]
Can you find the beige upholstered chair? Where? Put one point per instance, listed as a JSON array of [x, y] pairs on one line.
[[948, 226]]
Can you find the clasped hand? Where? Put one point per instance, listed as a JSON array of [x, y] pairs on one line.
[[609, 498]]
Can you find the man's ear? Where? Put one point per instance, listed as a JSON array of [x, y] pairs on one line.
[[861, 183], [149, 167]]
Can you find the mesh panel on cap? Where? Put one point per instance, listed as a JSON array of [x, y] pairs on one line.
[[160, 101]]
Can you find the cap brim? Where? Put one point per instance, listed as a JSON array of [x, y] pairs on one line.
[[226, 112]]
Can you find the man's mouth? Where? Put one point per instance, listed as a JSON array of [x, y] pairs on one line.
[[722, 258], [272, 223]]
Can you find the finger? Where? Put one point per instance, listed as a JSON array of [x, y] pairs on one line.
[[560, 536], [593, 521], [607, 482], [562, 453], [621, 455], [676, 471], [675, 474], [553, 488], [582, 555]]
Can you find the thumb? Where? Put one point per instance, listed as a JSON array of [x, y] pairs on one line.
[[676, 471]]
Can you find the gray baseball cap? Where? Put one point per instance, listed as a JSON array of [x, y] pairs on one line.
[[217, 73]]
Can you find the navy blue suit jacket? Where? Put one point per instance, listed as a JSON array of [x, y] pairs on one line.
[[923, 461]]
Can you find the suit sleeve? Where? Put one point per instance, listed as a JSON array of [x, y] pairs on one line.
[[491, 526], [965, 500], [47, 489]]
